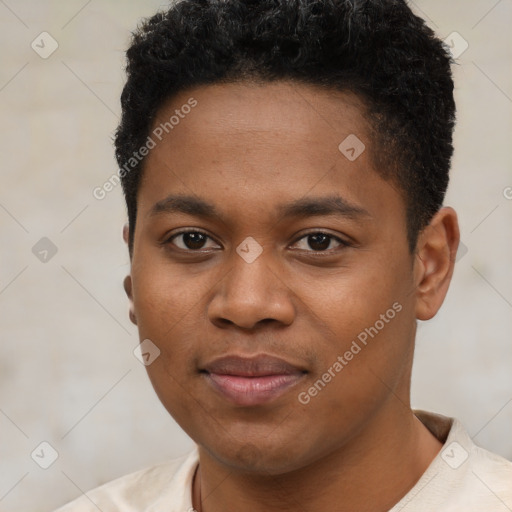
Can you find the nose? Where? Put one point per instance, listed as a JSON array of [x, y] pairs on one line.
[[251, 294]]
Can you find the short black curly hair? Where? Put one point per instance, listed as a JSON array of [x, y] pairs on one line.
[[377, 49]]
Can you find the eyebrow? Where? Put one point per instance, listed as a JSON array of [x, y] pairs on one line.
[[322, 205], [332, 204]]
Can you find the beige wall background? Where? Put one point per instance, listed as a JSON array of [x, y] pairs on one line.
[[68, 376]]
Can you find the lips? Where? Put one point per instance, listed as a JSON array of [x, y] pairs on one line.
[[249, 381]]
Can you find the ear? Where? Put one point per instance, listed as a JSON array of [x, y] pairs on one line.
[[127, 283], [436, 251], [126, 232]]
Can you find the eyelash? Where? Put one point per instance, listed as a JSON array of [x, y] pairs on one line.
[[342, 243]]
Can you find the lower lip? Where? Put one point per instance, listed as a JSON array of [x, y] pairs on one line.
[[248, 391]]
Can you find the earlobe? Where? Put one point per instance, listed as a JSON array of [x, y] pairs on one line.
[[435, 260], [127, 284]]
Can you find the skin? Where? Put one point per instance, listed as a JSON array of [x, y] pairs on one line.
[[247, 148]]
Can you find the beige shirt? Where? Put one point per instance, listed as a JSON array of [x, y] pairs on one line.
[[462, 477]]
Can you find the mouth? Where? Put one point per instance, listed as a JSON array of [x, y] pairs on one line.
[[250, 381]]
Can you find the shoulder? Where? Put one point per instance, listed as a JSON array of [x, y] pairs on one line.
[[463, 476], [142, 489], [492, 472], [483, 481], [478, 469]]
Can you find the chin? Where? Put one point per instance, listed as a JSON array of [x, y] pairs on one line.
[[261, 458]]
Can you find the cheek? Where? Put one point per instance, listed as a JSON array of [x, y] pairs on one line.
[[164, 298], [366, 325], [368, 298], [355, 378], [167, 315]]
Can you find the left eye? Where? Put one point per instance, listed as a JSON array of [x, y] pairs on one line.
[[192, 240], [320, 241]]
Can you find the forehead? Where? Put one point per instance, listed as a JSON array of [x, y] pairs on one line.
[[267, 142], [274, 99], [265, 110]]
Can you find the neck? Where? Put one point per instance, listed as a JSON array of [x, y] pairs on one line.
[[371, 472]]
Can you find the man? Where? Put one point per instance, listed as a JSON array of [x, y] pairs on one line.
[[284, 164]]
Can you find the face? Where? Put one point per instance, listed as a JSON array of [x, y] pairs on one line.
[[271, 270]]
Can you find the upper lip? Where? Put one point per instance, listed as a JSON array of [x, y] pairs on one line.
[[255, 366]]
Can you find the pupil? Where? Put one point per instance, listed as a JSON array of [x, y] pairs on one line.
[[193, 240], [321, 236]]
